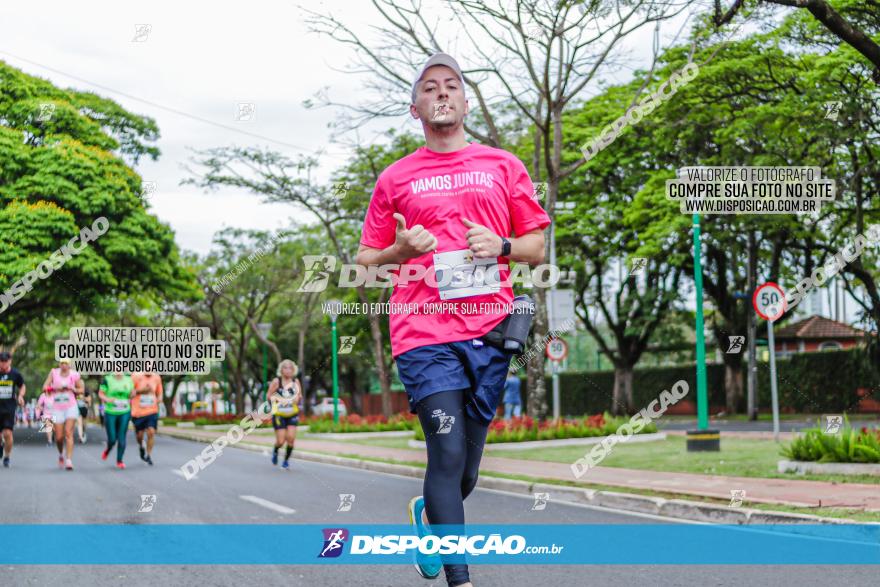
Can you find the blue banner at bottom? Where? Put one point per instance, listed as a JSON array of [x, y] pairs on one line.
[[601, 544]]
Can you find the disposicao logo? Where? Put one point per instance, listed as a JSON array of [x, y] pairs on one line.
[[334, 540]]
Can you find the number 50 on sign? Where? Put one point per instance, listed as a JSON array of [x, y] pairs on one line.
[[557, 350]]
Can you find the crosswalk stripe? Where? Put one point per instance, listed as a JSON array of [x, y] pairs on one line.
[[281, 509]]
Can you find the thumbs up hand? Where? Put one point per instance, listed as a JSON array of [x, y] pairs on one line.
[[415, 241], [482, 241]]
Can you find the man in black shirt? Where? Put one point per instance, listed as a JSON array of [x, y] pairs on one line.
[[12, 391]]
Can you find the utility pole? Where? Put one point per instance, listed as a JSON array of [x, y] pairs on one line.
[[752, 377]]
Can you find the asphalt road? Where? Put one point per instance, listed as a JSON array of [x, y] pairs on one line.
[[241, 487]]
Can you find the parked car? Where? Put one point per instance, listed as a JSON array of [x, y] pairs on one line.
[[325, 406]]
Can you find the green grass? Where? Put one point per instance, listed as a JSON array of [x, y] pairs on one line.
[[739, 457], [850, 514], [383, 442]]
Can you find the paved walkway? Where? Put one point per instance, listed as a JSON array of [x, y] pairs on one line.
[[775, 491]]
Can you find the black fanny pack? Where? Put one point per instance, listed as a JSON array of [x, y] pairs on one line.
[[511, 333]]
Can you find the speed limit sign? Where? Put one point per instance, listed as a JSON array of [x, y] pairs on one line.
[[769, 301], [557, 350]]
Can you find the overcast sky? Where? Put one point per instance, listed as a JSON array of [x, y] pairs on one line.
[[202, 59]]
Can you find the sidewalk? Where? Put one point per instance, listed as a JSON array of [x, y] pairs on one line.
[[759, 490]]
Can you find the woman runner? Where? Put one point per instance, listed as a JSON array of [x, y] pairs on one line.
[[285, 394], [116, 392], [63, 385]]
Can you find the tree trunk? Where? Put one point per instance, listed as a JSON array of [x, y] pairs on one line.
[[623, 391], [169, 401], [239, 392], [536, 400], [379, 355], [733, 382]]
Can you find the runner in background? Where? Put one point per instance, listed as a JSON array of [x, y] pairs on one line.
[[64, 385], [12, 390], [145, 410], [116, 392], [285, 394], [43, 412], [82, 403]]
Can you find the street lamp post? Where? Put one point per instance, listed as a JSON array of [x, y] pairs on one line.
[[264, 328], [335, 307]]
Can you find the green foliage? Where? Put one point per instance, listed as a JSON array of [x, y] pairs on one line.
[[846, 446], [807, 383], [60, 174], [591, 391], [819, 382]]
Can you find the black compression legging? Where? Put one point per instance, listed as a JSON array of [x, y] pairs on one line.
[[453, 463]]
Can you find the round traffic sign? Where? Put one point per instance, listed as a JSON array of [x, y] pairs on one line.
[[557, 349], [769, 301]]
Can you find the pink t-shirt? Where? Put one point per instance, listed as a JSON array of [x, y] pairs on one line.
[[487, 186], [62, 400]]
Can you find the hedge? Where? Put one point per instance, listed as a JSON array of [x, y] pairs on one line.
[[819, 382], [807, 382]]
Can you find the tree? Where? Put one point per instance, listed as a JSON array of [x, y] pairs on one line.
[[630, 277], [62, 167], [268, 174], [248, 278], [760, 101], [834, 21]]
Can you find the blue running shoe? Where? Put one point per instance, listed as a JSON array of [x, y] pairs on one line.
[[427, 565], [274, 458], [285, 464]]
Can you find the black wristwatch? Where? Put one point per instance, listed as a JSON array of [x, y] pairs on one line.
[[505, 247]]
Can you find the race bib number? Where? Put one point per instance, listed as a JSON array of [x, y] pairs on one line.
[[120, 404], [460, 275], [61, 398], [5, 390], [147, 399]]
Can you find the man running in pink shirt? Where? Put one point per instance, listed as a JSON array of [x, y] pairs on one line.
[[455, 213]]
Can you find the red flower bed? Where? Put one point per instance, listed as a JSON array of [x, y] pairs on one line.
[[528, 423], [358, 423], [221, 417]]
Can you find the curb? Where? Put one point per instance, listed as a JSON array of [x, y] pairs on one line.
[[630, 502], [784, 466]]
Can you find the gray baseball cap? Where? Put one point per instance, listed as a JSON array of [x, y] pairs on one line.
[[436, 59]]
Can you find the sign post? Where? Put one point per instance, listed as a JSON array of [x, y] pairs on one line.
[[557, 350], [769, 303]]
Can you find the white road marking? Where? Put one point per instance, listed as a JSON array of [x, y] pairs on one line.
[[179, 472], [281, 509]]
